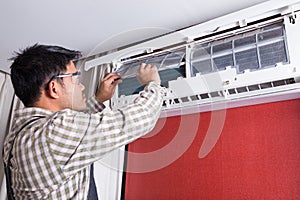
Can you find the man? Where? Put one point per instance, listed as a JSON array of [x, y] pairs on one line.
[[53, 141]]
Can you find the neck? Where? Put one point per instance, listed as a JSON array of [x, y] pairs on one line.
[[48, 103], [47, 106]]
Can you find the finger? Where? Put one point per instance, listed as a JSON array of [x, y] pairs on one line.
[[107, 76], [116, 82], [113, 79], [150, 66], [143, 65], [154, 68], [111, 76]]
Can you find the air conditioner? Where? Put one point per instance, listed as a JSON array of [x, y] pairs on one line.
[[243, 58]]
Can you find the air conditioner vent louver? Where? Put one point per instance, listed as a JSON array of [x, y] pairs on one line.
[[232, 91], [262, 86]]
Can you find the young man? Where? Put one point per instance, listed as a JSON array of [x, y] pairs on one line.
[[54, 141]]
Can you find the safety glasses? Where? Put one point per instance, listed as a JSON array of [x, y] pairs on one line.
[[75, 77]]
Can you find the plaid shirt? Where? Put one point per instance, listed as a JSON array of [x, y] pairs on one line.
[[52, 155]]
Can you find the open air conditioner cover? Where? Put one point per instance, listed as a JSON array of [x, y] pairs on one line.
[[235, 65]]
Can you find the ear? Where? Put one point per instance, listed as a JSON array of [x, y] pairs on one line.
[[54, 89]]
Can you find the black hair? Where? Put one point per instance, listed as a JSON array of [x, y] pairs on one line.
[[33, 67]]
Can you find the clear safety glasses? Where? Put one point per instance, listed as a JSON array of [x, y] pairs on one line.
[[75, 77]]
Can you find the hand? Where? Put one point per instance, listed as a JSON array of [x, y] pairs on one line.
[[147, 73], [107, 86]]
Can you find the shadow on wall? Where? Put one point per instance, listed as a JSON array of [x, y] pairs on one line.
[[6, 108]]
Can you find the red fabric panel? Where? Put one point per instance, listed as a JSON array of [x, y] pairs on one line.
[[257, 156]]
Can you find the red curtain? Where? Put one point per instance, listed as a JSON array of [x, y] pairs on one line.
[[256, 156]]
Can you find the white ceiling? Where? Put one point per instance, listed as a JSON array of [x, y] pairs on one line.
[[94, 26]]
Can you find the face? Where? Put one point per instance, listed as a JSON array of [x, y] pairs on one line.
[[73, 96]]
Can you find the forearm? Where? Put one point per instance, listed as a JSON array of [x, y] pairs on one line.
[[144, 112], [126, 124]]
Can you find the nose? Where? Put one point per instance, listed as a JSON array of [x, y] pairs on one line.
[[82, 86]]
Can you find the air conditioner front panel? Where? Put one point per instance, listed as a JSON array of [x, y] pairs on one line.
[[244, 62]]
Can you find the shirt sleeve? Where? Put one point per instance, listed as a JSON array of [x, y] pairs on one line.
[[77, 139], [94, 106]]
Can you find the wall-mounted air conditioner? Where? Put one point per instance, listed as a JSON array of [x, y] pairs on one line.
[[244, 58]]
